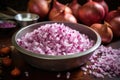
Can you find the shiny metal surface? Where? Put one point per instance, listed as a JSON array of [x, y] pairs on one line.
[[25, 19], [57, 63]]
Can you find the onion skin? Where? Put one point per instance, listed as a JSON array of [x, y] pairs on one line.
[[61, 12], [115, 26], [112, 14], [64, 17], [104, 31], [40, 7], [91, 12], [113, 18], [74, 5], [104, 4]]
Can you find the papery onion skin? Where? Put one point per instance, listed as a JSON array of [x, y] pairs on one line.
[[104, 31], [112, 14], [57, 8], [104, 4], [60, 7], [91, 12], [61, 12], [40, 7], [64, 17], [115, 26], [74, 5], [113, 18]]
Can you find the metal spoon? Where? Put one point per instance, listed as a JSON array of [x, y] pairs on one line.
[[5, 16], [23, 19]]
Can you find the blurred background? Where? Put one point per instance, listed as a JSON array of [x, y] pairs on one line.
[[21, 5]]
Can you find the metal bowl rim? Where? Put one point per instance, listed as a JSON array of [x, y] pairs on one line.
[[36, 18], [50, 57]]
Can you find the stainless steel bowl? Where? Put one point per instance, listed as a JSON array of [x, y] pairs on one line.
[[26, 18], [57, 63]]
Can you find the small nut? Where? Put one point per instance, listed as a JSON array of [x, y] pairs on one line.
[[5, 51], [6, 61], [15, 72]]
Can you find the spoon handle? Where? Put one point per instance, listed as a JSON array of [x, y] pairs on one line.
[[2, 15], [12, 10]]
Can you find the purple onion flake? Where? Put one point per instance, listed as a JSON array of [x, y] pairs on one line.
[[7, 24], [107, 62]]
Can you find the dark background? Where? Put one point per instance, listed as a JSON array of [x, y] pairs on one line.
[[21, 5], [34, 73]]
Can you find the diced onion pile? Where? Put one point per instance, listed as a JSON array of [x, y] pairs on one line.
[[55, 39], [7, 24], [104, 61]]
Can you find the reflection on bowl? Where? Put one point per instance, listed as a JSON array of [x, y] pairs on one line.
[[26, 18], [62, 62]]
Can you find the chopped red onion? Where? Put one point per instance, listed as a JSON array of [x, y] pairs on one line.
[[68, 75], [55, 39], [26, 74], [7, 24], [104, 61], [58, 75]]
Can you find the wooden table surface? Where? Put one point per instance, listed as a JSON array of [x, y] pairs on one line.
[[38, 74]]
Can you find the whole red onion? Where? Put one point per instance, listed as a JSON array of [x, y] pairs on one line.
[[60, 12], [74, 5], [115, 26], [40, 7], [104, 31], [113, 18], [104, 4], [112, 14], [91, 12]]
